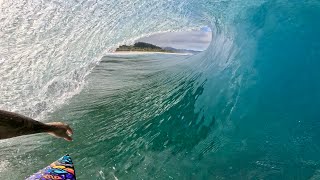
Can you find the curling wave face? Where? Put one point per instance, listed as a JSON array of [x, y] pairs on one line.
[[48, 47], [246, 107]]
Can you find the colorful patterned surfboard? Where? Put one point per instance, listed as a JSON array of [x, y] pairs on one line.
[[62, 169]]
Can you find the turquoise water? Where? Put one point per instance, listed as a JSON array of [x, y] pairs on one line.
[[246, 108]]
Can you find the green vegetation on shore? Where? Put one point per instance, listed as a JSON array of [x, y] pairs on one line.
[[141, 46]]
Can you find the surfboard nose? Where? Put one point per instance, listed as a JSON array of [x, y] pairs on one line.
[[62, 169]]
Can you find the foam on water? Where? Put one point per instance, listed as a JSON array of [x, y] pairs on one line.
[[48, 47], [246, 107]]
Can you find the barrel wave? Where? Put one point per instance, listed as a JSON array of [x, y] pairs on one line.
[[245, 108]]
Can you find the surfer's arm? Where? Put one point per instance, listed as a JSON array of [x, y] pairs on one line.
[[13, 124]]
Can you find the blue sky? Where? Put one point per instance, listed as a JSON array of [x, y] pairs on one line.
[[194, 40]]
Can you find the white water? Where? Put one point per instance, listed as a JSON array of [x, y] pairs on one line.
[[48, 47]]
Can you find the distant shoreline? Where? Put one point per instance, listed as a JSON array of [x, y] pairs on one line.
[[146, 48], [144, 52]]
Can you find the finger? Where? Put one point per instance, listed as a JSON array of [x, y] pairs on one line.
[[69, 133], [67, 138], [69, 130]]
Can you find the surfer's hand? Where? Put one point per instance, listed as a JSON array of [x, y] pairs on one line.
[[60, 130]]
